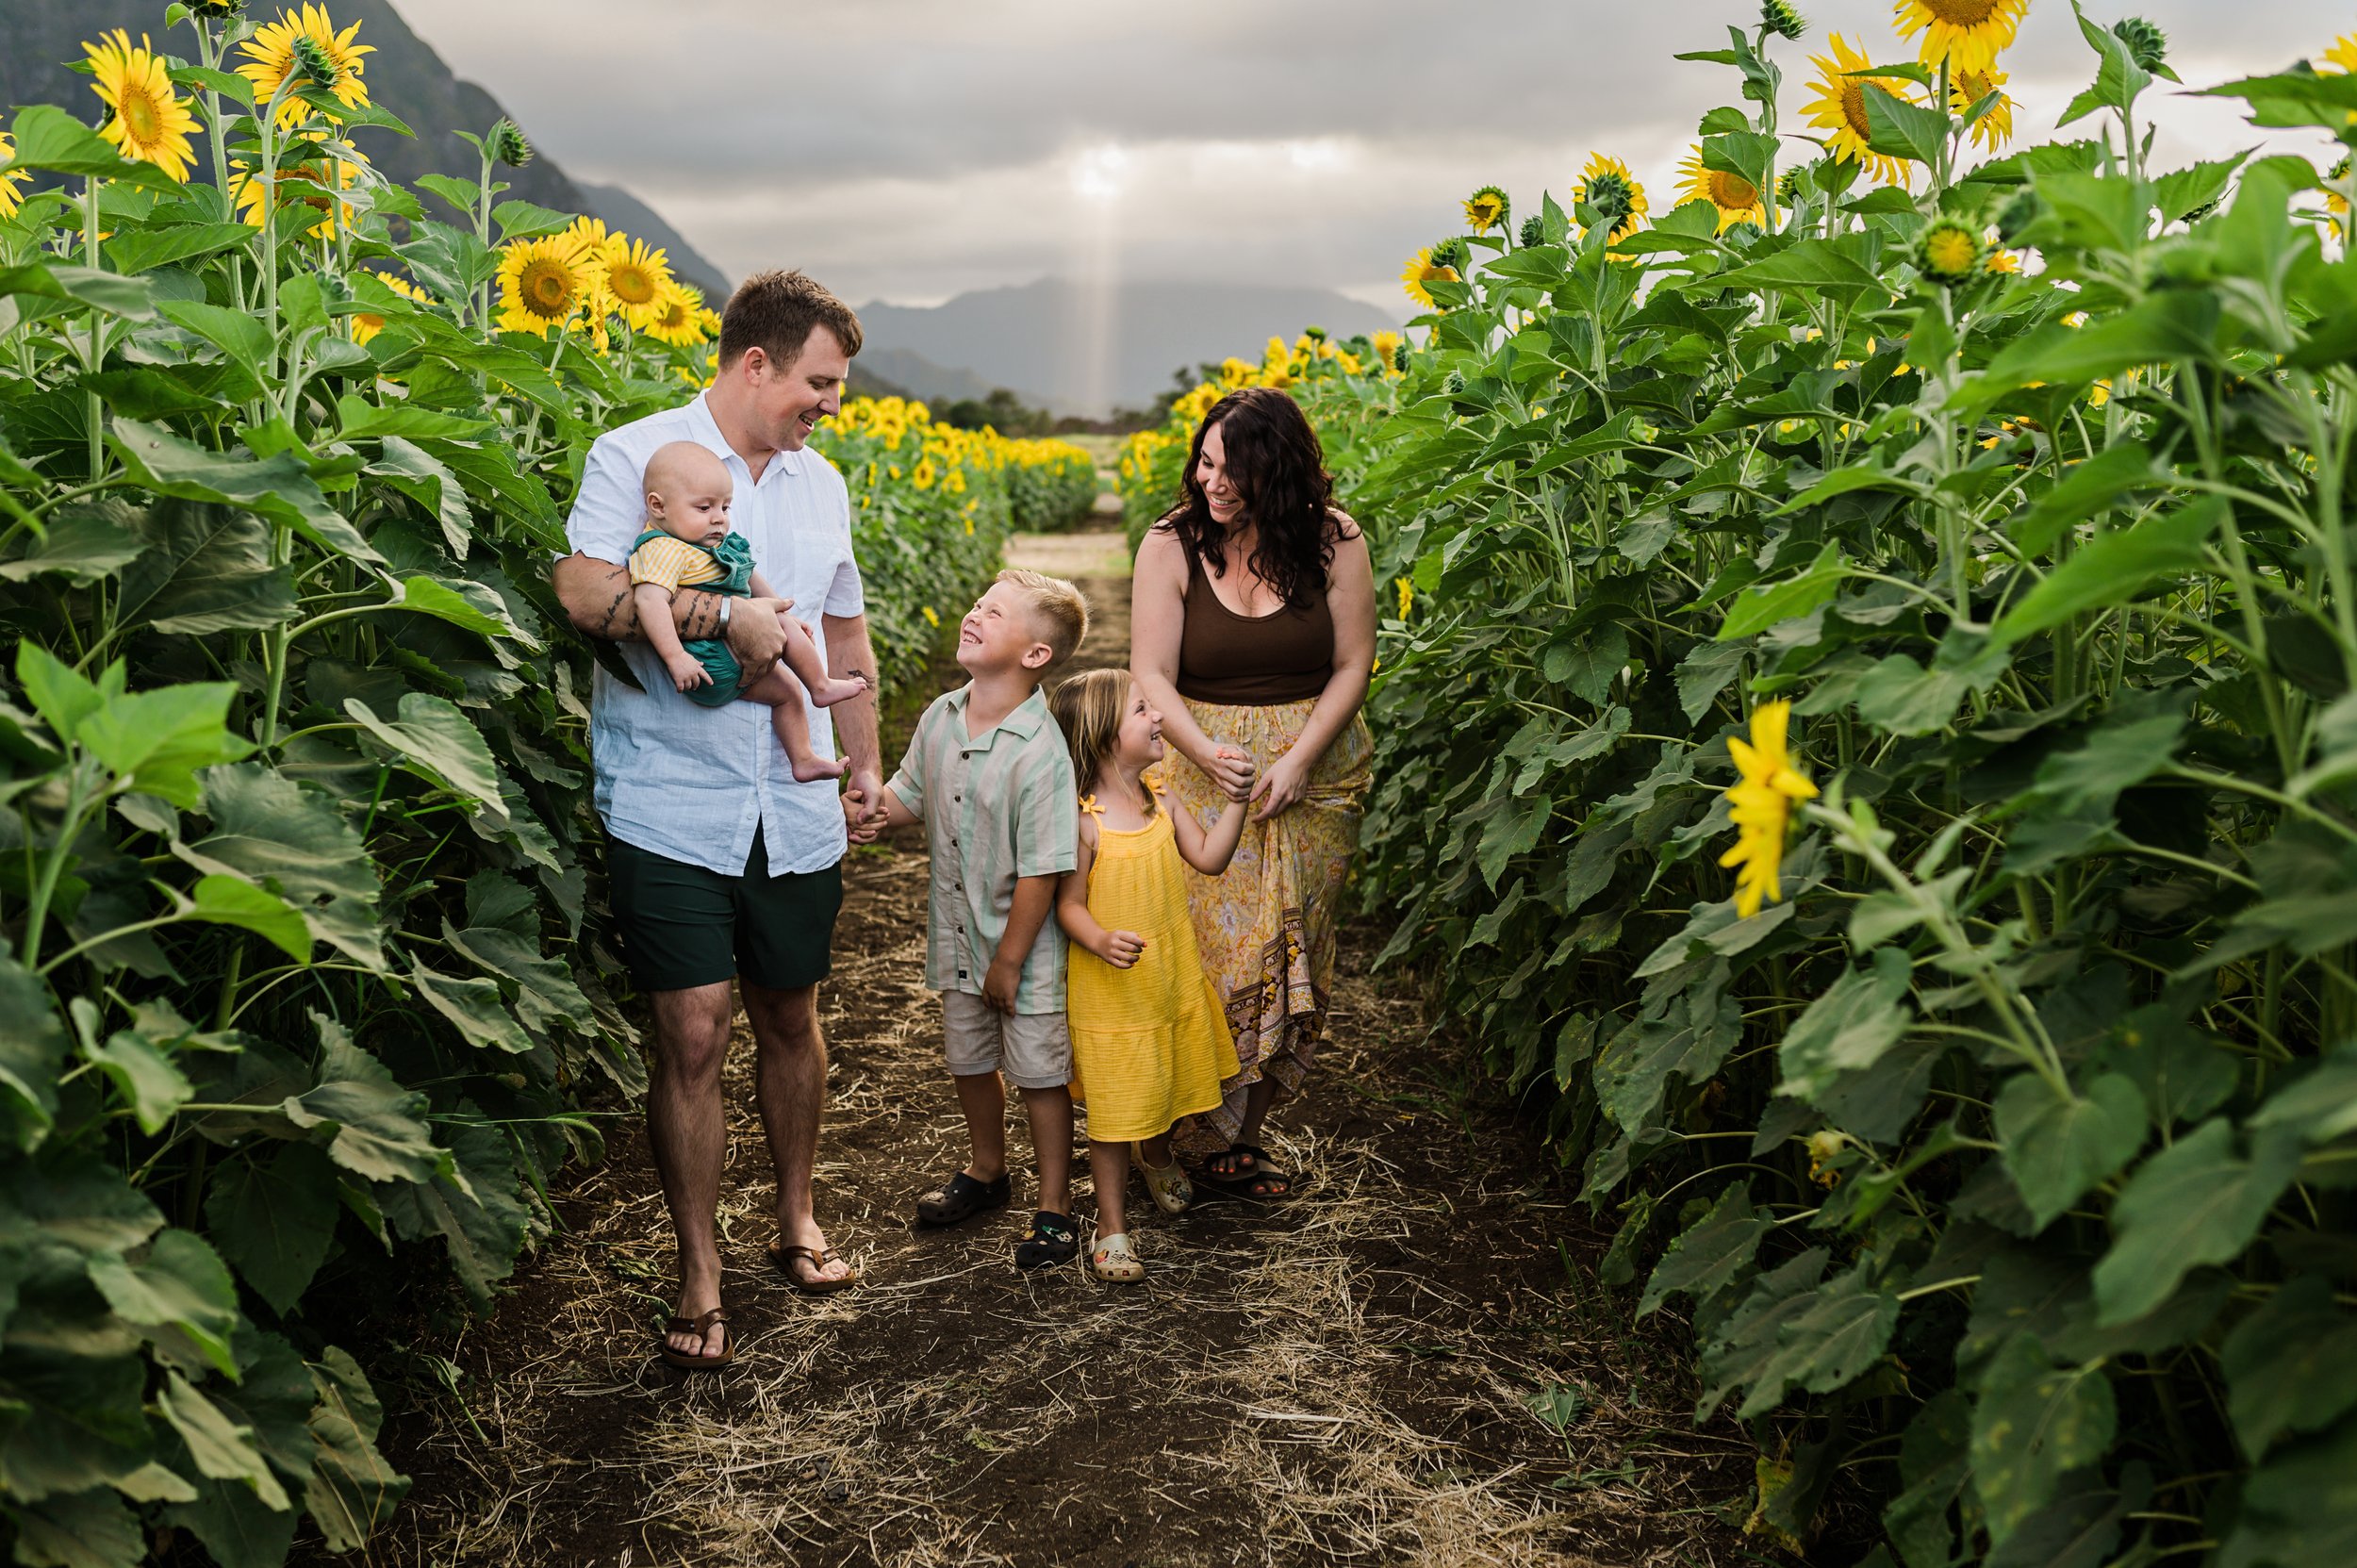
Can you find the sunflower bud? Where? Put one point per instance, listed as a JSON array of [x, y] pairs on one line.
[[1744, 233], [1613, 198], [1779, 18], [2015, 218], [1315, 334], [1788, 187], [220, 10], [1400, 357], [1454, 384], [1452, 253], [2147, 45], [1949, 252], [508, 144], [313, 61], [1534, 231]]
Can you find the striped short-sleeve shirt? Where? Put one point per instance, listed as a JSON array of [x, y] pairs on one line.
[[997, 806], [671, 563]]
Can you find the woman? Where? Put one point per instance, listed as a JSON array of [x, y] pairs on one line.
[[1252, 629]]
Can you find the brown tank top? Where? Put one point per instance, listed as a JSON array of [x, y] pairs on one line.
[[1251, 661]]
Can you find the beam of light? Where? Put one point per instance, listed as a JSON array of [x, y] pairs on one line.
[[1101, 173]]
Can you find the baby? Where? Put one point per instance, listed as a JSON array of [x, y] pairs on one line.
[[686, 544]]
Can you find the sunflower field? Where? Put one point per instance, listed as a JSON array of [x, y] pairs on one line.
[[301, 995], [1868, 739]]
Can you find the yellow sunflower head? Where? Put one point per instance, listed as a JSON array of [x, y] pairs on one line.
[[1607, 185], [12, 181], [1965, 34], [1487, 208], [1737, 198], [586, 236], [678, 318], [544, 283], [1760, 805], [1422, 271], [270, 57], [637, 276], [1966, 88], [1840, 109], [151, 123], [2002, 260]]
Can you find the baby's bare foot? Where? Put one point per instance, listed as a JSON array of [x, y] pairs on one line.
[[812, 768], [837, 690]]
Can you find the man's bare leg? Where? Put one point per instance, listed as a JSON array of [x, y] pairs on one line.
[[790, 1082], [687, 1129]]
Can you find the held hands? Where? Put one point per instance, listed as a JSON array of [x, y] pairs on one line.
[[1280, 788], [1231, 770], [687, 671], [1122, 948], [863, 809]]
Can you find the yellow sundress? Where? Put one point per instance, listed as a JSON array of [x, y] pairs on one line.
[[1150, 1042]]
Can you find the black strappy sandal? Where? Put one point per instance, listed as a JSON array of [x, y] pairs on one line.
[[1251, 1174]]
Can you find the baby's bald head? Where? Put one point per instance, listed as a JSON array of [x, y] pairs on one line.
[[687, 492]]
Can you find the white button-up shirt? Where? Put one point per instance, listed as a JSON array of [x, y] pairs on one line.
[[688, 782]]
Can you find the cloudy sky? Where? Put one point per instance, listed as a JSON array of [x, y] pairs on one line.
[[907, 150]]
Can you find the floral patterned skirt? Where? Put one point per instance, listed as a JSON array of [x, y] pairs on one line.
[[1266, 926]]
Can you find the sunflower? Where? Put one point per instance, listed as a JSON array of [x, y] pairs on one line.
[[150, 123], [12, 181], [1420, 271], [1964, 34], [1760, 804], [1406, 586], [305, 182], [544, 283], [1966, 88], [1386, 347], [1486, 209], [2002, 260], [1950, 251], [1737, 198], [637, 276], [1607, 185], [367, 325], [270, 58], [585, 236], [678, 319], [1839, 107]]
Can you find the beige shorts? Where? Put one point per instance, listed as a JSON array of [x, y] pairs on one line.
[[1031, 1049]]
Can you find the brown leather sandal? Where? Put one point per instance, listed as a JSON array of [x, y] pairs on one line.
[[684, 1360], [784, 1257]]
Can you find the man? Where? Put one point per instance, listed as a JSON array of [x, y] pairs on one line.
[[722, 866]]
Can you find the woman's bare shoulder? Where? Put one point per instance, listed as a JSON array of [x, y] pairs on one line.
[[1345, 526], [1161, 553]]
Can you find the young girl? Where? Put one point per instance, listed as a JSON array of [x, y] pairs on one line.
[[1150, 1042]]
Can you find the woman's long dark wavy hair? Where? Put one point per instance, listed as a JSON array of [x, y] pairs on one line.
[[1277, 468]]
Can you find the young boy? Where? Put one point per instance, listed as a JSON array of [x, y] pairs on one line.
[[989, 774], [686, 544]]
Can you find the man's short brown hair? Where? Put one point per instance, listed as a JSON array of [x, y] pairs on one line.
[[774, 311], [1059, 612]]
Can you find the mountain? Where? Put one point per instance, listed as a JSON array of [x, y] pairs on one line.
[[918, 377], [404, 75], [1078, 350]]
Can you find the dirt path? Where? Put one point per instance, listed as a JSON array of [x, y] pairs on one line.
[[1356, 1376]]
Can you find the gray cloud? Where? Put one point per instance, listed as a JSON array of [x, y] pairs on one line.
[[913, 148]]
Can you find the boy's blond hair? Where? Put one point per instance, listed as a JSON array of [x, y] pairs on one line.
[[1059, 611]]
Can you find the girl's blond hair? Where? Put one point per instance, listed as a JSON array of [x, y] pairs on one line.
[[1090, 707]]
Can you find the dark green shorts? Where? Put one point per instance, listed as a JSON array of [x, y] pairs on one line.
[[682, 926]]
